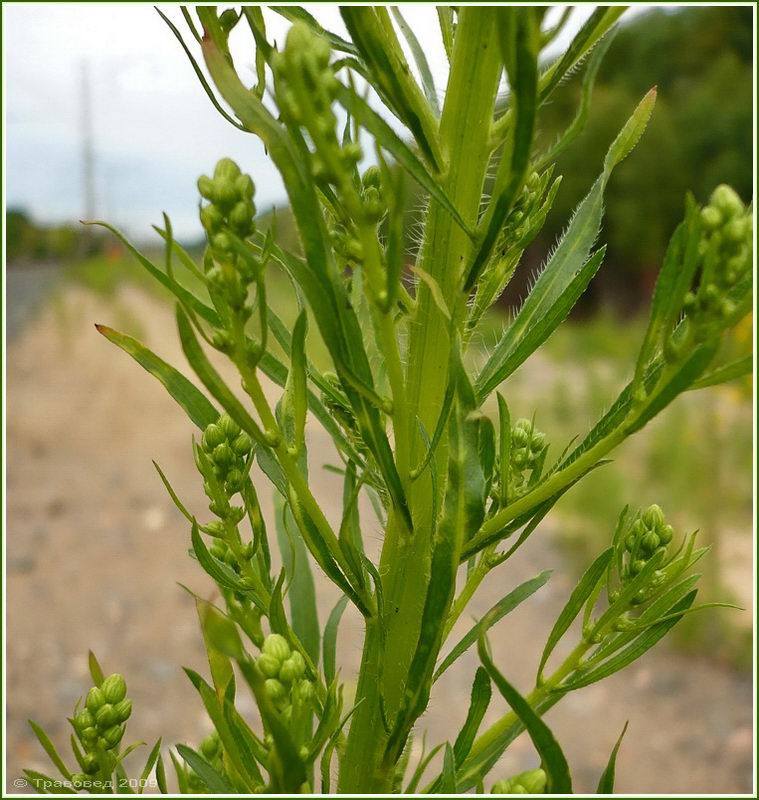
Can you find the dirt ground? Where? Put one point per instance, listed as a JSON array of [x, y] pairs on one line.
[[95, 551]]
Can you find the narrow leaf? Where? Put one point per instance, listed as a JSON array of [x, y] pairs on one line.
[[606, 784], [551, 756], [428, 82], [585, 587], [191, 399], [216, 783], [49, 748], [96, 671], [727, 372], [496, 613], [329, 642], [478, 705]]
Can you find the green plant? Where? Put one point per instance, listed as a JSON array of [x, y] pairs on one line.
[[449, 486]]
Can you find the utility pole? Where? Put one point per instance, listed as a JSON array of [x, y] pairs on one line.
[[88, 154]]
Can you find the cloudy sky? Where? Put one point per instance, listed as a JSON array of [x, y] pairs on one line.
[[154, 129]]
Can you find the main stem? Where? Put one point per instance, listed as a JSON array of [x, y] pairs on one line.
[[465, 134]]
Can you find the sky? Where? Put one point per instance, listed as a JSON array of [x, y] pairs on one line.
[[154, 130]]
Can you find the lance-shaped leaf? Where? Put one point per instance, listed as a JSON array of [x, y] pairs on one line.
[[425, 73], [727, 372], [192, 400], [329, 640], [518, 39], [567, 260], [551, 756], [675, 278], [49, 748], [301, 592], [585, 587], [478, 705], [184, 296], [326, 554], [215, 782], [576, 127], [96, 671], [496, 613], [448, 784], [299, 14], [674, 383], [372, 32], [606, 783], [294, 400], [149, 764], [212, 380], [218, 661]]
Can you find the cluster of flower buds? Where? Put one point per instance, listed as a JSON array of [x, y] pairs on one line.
[[100, 724], [284, 670], [531, 782], [648, 534], [228, 448], [229, 213], [726, 251], [305, 88], [639, 540], [528, 446]]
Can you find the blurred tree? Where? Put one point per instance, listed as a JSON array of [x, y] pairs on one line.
[[699, 136]]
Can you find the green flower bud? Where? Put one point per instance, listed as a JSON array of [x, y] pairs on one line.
[[245, 187], [219, 550], [223, 455], [275, 690], [277, 647], [236, 514], [105, 717], [242, 445], [306, 690], [653, 517], [209, 747], [630, 541], [222, 242], [211, 219], [79, 779], [226, 168], [205, 187], [666, 532], [241, 217], [351, 152], [372, 177], [533, 781], [234, 481], [89, 735], [292, 668], [212, 437], [90, 763], [649, 543], [230, 428], [711, 218], [637, 566], [95, 699], [225, 194], [82, 720], [216, 528], [269, 665], [726, 200], [123, 710], [113, 736], [538, 442], [114, 688]]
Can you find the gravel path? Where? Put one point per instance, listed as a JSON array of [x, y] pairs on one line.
[[95, 550]]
